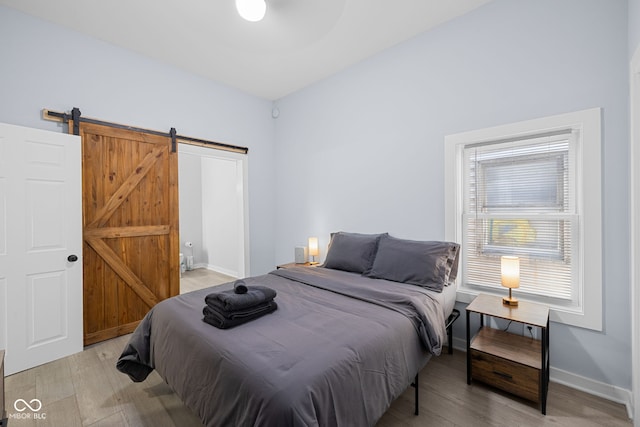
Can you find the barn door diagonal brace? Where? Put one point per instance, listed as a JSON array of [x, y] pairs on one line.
[[121, 194]]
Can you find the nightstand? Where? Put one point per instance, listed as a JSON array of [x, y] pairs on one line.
[[295, 264], [514, 363]]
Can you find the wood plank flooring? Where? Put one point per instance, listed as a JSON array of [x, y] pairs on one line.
[[199, 278], [85, 390]]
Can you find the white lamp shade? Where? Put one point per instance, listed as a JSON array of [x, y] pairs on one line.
[[313, 246], [251, 10], [510, 271]]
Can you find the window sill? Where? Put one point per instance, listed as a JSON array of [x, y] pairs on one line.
[[556, 314]]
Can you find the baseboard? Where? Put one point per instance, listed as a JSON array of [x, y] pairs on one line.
[[578, 382], [460, 344], [597, 388], [217, 269]]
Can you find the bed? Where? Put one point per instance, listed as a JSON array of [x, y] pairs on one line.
[[341, 346]]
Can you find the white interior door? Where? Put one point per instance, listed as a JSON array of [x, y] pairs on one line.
[[40, 233]]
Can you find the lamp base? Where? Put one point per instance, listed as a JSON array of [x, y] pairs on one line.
[[512, 302]]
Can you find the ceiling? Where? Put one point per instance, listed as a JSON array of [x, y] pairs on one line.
[[297, 43]]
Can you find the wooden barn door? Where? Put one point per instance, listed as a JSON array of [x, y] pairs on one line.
[[130, 227]]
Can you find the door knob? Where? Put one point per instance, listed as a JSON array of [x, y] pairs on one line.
[[72, 258]]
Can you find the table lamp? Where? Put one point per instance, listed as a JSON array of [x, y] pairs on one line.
[[510, 272], [313, 249]]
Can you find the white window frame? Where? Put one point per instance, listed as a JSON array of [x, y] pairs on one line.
[[586, 311]]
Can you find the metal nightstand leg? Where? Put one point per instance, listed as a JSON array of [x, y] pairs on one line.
[[544, 372], [468, 350]]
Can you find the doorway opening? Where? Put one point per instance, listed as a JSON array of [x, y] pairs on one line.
[[213, 202]]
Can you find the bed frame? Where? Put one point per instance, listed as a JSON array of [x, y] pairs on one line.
[[169, 317], [416, 385]]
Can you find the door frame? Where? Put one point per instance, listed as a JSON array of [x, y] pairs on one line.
[[634, 119], [242, 179]]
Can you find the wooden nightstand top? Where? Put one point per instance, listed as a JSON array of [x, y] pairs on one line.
[[524, 312], [295, 264]]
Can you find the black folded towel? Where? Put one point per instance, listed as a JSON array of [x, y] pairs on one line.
[[225, 320], [240, 287], [231, 301]]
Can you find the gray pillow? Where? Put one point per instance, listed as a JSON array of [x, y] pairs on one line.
[[426, 264], [453, 262], [351, 251]]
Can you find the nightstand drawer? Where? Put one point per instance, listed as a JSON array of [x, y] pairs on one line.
[[506, 375]]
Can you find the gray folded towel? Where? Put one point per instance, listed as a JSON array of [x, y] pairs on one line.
[[226, 320], [240, 287], [231, 301]]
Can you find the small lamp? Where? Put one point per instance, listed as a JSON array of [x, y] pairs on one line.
[[510, 272], [313, 249]]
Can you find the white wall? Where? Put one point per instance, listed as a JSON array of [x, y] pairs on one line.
[[634, 26], [221, 215], [363, 149], [47, 66]]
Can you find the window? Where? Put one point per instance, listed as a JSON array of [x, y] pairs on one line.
[[530, 189], [519, 201]]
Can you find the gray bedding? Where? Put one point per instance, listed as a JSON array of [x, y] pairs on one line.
[[337, 351]]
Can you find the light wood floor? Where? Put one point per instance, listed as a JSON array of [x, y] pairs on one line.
[[85, 389], [199, 278]]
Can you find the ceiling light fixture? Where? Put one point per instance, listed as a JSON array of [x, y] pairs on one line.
[[251, 10]]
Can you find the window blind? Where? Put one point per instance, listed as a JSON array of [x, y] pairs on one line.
[[519, 199]]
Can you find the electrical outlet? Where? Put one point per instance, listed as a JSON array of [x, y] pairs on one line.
[[530, 331]]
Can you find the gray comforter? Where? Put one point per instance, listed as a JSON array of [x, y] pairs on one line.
[[339, 349]]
